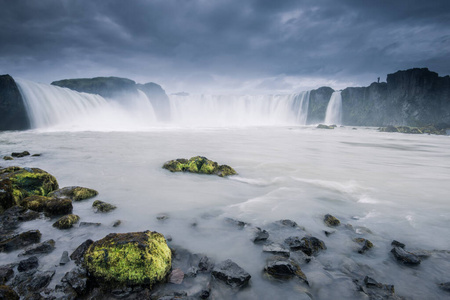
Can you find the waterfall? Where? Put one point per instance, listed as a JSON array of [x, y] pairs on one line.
[[334, 110], [50, 106]]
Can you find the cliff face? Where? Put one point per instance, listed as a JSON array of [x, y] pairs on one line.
[[415, 97], [13, 115], [318, 102], [159, 99]]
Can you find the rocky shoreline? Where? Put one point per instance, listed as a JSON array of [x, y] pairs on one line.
[[148, 265]]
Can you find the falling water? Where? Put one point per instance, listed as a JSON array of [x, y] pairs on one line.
[[334, 109]]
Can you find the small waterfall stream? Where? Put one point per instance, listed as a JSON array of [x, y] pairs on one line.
[[334, 110]]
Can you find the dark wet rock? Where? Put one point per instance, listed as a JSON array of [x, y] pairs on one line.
[[66, 222], [366, 244], [276, 249], [58, 206], [28, 264], [20, 154], [32, 281], [64, 258], [191, 272], [405, 257], [328, 233], [100, 206], [287, 223], [7, 157], [176, 276], [397, 244], [40, 248], [281, 267], [200, 165], [18, 183], [309, 245], [6, 273], [204, 294], [331, 221], [7, 293], [36, 155], [89, 224], [117, 223], [376, 290], [231, 274], [78, 254], [445, 286], [259, 235], [133, 258], [77, 278], [63, 291], [205, 264], [21, 240], [40, 280], [162, 217], [238, 223], [323, 126], [12, 217], [75, 193], [168, 238]]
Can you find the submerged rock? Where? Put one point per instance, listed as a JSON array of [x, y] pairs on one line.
[[238, 223], [376, 290], [7, 157], [397, 244], [259, 235], [133, 258], [284, 268], [13, 216], [66, 222], [445, 286], [200, 165], [231, 274], [366, 244], [18, 241], [176, 276], [20, 154], [323, 126], [100, 206], [331, 221], [309, 245], [405, 257], [75, 193], [40, 248]]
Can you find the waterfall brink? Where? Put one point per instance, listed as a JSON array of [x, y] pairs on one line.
[[61, 108], [334, 110], [238, 110]]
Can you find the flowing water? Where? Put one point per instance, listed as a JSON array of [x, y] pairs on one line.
[[386, 185], [334, 110]]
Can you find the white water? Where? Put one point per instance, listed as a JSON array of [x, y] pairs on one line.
[[394, 184], [334, 110]]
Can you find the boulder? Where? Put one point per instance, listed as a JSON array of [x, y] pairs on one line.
[[331, 221], [200, 165], [366, 244], [78, 254], [66, 221], [13, 216], [58, 206], [77, 278], [35, 203], [283, 268], [18, 241], [309, 245], [259, 235], [231, 274], [405, 257], [133, 258], [75, 193], [40, 248], [28, 264], [100, 206], [13, 114], [64, 258]]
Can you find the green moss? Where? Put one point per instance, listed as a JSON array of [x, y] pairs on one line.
[[225, 170], [129, 258], [36, 203], [200, 165], [101, 206], [66, 222], [76, 193]]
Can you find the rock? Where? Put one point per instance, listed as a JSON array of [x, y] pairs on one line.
[[205, 264], [66, 222], [6, 273], [376, 290], [200, 165], [397, 244], [40, 280], [32, 281], [405, 257], [309, 245], [12, 217], [58, 206], [20, 154], [78, 254], [64, 258], [18, 241], [287, 223], [238, 223], [328, 233], [259, 235], [162, 217], [63, 291], [176, 276], [422, 254], [28, 264], [117, 223], [100, 206], [36, 155], [8, 158], [19, 183], [323, 126], [366, 244], [87, 224], [331, 221], [77, 278], [35, 203], [133, 258], [283, 268], [445, 286], [276, 249], [40, 248], [75, 193], [13, 114], [231, 274], [7, 293]]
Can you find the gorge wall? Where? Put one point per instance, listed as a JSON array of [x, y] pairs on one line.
[[13, 115]]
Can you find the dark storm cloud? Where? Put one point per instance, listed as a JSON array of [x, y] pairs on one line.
[[177, 43]]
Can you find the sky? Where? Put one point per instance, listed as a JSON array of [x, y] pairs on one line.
[[224, 46]]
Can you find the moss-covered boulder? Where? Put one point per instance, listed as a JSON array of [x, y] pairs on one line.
[[51, 206], [331, 221], [134, 258], [200, 165], [35, 203], [66, 222], [75, 193], [100, 206], [19, 183], [323, 126]]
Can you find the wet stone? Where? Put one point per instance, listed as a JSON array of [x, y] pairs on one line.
[[259, 235], [231, 274], [405, 257], [77, 279], [331, 221], [6, 292], [40, 248], [64, 258], [18, 241], [445, 286], [176, 276], [117, 223], [89, 224], [20, 154], [309, 245], [28, 264], [100, 206], [397, 244], [366, 244], [276, 249], [238, 223], [7, 157], [6, 273], [283, 268], [78, 254]]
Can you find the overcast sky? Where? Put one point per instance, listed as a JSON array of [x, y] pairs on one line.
[[266, 46]]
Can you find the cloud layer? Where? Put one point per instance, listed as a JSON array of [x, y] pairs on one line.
[[224, 45]]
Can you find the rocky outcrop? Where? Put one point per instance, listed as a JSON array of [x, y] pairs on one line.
[[200, 165], [13, 115], [318, 102], [159, 99]]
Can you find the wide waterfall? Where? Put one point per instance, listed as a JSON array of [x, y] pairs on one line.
[[59, 108], [334, 110]]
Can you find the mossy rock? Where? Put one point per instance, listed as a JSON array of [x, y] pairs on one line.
[[58, 206], [7, 292], [8, 158], [331, 221], [75, 193], [66, 222], [200, 165], [129, 259], [323, 126], [101, 206], [35, 203], [19, 183]]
